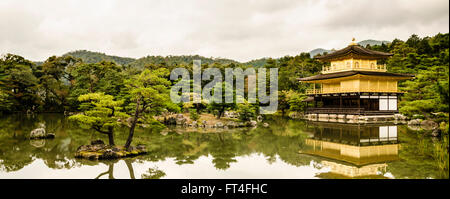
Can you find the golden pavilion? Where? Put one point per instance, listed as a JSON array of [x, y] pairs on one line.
[[354, 84]]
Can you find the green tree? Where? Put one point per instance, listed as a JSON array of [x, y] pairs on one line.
[[427, 93], [246, 111], [283, 101], [54, 83], [296, 101], [5, 102], [103, 115], [150, 94], [17, 80], [219, 104], [291, 101], [106, 77], [193, 115]]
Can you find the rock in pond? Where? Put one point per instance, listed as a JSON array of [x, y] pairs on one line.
[[40, 133], [414, 122], [37, 133]]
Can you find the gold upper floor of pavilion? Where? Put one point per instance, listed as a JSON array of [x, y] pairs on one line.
[[354, 65], [354, 69]]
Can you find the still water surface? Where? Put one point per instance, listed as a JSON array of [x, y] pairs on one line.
[[286, 149]]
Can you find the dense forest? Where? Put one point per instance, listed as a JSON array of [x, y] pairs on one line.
[[56, 84], [428, 59], [95, 57]]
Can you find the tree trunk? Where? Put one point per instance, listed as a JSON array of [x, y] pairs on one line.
[[197, 107], [111, 136], [221, 112], [133, 125]]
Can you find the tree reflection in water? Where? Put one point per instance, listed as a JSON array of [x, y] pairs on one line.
[[110, 172], [282, 140], [153, 173]]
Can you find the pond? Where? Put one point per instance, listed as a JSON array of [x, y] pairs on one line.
[[286, 149]]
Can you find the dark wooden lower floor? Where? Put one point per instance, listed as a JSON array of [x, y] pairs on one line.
[[357, 104]]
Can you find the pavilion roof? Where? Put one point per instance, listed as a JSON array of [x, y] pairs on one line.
[[354, 50]]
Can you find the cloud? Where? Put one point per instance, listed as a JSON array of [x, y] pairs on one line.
[[236, 29]]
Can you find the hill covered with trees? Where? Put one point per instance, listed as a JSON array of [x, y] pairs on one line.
[[177, 60], [94, 57]]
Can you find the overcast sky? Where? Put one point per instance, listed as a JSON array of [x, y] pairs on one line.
[[235, 29]]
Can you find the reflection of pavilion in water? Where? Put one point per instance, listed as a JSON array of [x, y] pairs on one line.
[[353, 150]]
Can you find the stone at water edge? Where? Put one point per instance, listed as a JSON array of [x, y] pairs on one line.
[[219, 125], [131, 148], [181, 121], [141, 147], [115, 149], [40, 133], [231, 124], [259, 118], [430, 124], [98, 147], [414, 122], [252, 123], [83, 148], [399, 117], [164, 132], [37, 133]]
